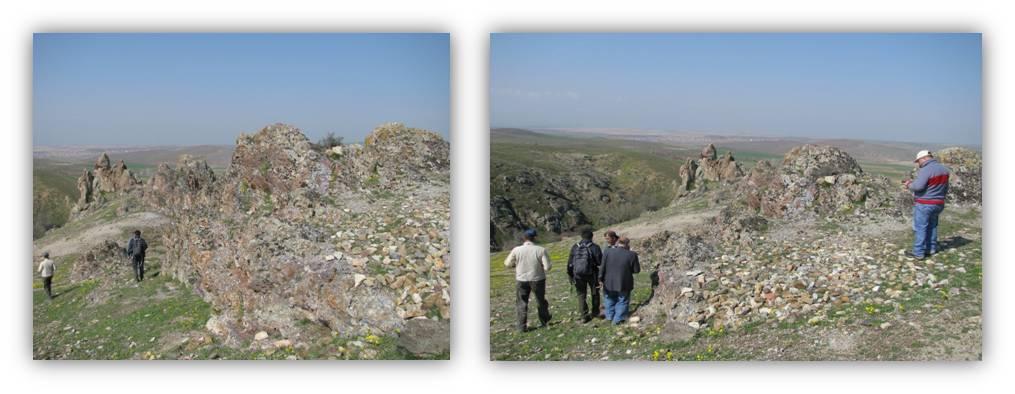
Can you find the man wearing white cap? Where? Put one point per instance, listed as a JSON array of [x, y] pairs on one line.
[[929, 190]]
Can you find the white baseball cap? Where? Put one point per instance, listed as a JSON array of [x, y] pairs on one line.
[[922, 154]]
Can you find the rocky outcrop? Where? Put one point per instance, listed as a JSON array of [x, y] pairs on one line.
[[709, 168], [103, 180], [813, 180], [687, 172], [965, 180], [395, 153], [85, 191], [709, 275], [182, 187], [291, 234], [814, 161]]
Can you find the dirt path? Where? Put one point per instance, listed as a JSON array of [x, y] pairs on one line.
[[646, 227], [83, 240]]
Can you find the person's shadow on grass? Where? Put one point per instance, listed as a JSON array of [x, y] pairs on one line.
[[953, 242], [68, 289]]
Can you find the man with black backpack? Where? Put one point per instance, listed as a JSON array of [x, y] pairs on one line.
[[582, 270], [136, 249]]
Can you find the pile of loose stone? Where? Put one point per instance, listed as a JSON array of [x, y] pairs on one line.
[[803, 260]]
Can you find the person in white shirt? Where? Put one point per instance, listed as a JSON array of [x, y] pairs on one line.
[[46, 269], [531, 263]]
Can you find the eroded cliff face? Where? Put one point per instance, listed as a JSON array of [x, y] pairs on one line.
[[354, 238]]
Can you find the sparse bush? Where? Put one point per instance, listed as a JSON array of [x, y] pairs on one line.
[[328, 141]]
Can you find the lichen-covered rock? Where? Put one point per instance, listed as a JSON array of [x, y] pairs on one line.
[[290, 234], [965, 181], [180, 188], [816, 180], [813, 161], [393, 155], [425, 337]]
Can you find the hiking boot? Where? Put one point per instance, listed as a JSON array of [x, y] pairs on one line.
[[586, 319], [523, 329], [913, 256]]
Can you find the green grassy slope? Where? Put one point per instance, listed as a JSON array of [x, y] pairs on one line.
[[54, 191], [938, 315]]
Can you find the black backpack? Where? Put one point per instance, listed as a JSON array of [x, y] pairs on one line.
[[581, 260], [137, 247]]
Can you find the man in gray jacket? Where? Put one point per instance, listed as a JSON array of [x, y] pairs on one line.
[[136, 249], [617, 278], [531, 263], [930, 188]]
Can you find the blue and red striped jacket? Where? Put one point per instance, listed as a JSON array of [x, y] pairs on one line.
[[931, 183]]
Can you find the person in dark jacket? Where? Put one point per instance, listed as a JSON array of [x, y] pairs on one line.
[[930, 187], [136, 249], [611, 238], [583, 270], [617, 278]]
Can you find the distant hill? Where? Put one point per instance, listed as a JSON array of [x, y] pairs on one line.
[[217, 156], [891, 152]]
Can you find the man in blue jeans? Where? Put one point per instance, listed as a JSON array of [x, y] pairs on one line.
[[617, 278], [929, 190]]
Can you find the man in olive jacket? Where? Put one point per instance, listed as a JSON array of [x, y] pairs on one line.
[[531, 263], [617, 278]]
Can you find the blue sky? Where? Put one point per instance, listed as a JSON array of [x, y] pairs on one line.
[[186, 89], [901, 87]]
